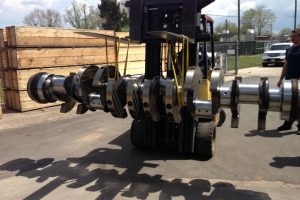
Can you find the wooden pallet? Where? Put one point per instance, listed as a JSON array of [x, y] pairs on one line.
[[20, 101]]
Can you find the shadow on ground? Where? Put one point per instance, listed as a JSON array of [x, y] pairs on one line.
[[281, 162], [269, 133], [93, 167]]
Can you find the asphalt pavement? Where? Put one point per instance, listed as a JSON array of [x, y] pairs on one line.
[[48, 155]]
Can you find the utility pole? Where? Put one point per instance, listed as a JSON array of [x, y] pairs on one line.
[[239, 21], [295, 19]]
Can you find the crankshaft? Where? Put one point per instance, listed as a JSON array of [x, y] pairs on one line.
[[103, 88]]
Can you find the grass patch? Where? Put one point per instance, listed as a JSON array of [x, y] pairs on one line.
[[244, 61]]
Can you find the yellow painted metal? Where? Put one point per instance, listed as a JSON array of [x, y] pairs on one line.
[[205, 90]]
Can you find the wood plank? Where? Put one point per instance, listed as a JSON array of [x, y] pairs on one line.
[[126, 35], [25, 31], [2, 38], [8, 99], [19, 78], [3, 52], [122, 34], [27, 63], [137, 67], [20, 101], [133, 50], [54, 37], [1, 66], [4, 59], [6, 83], [22, 58], [59, 52], [1, 113], [59, 42]]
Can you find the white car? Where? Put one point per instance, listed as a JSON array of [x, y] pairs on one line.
[[275, 55]]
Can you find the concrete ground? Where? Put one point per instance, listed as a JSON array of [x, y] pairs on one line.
[[48, 155]]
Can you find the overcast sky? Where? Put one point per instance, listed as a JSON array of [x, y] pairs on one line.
[[12, 12]]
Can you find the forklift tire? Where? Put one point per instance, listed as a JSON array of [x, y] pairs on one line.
[[138, 133], [222, 118], [205, 137]]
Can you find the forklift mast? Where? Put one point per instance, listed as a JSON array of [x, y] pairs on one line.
[[179, 17]]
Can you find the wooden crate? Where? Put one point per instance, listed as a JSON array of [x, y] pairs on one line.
[[54, 37], [26, 58], [20, 101]]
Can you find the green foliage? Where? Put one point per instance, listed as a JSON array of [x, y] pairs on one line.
[[112, 16], [232, 27], [257, 19], [247, 20]]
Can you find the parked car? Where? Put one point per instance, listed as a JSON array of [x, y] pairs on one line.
[[275, 55]]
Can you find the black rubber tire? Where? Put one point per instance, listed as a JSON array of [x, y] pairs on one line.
[[205, 138], [138, 133], [264, 64], [222, 118]]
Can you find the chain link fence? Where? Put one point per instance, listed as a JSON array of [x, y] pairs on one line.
[[232, 50]]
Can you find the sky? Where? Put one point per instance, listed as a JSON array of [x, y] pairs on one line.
[[12, 12]]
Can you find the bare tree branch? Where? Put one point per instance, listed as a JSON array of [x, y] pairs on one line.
[[80, 15], [43, 18]]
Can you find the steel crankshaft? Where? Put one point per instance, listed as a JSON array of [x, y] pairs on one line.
[[96, 88]]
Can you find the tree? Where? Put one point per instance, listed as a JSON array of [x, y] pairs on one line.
[[285, 31], [263, 17], [248, 20], [232, 27], [258, 18], [113, 17], [80, 15], [43, 18]]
